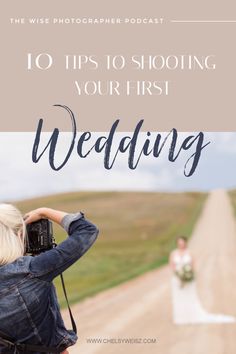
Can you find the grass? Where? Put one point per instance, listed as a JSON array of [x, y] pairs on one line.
[[137, 232]]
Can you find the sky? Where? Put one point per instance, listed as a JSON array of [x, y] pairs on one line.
[[21, 178]]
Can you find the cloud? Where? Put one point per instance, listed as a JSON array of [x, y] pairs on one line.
[[21, 178]]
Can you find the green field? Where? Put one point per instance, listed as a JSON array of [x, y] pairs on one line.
[[137, 232]]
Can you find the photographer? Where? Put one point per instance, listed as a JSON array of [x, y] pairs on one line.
[[29, 309]]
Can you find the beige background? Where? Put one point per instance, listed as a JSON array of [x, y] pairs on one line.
[[198, 101]]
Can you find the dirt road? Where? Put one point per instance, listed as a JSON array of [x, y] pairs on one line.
[[140, 309]]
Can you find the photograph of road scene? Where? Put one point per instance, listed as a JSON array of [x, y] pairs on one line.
[[161, 276]]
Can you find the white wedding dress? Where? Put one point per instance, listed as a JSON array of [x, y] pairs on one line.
[[187, 308]]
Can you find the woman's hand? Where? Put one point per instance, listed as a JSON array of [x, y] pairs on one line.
[[33, 215], [44, 213]]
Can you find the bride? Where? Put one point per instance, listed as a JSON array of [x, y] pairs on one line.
[[187, 308]]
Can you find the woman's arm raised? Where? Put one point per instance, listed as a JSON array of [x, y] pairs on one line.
[[81, 235], [44, 213]]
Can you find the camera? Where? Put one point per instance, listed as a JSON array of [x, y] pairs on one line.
[[40, 236]]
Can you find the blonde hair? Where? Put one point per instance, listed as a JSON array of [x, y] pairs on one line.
[[12, 234]]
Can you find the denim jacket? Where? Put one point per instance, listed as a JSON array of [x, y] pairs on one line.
[[29, 309]]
